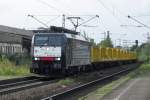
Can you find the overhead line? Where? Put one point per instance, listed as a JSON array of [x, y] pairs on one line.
[[53, 19], [105, 6], [113, 14], [50, 6], [109, 11], [46, 15], [142, 16], [38, 20], [89, 20], [139, 22]]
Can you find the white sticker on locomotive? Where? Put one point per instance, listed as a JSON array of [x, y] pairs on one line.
[[47, 51]]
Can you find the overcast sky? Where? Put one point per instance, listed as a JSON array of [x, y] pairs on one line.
[[113, 13]]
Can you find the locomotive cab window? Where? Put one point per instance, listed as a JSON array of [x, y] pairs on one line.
[[48, 40]]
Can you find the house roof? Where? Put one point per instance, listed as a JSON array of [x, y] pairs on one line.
[[16, 31]]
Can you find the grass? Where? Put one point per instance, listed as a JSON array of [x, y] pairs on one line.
[[9, 68], [143, 71], [66, 81]]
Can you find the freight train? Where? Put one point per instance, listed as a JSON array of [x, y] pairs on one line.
[[62, 52]]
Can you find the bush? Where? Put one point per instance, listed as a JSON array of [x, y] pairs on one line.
[[8, 66]]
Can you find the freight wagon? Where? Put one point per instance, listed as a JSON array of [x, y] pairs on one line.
[[104, 57]]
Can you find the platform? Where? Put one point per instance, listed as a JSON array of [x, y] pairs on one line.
[[135, 89]]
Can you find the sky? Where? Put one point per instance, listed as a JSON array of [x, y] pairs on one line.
[[112, 14]]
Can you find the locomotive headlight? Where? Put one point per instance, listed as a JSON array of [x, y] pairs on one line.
[[58, 59], [36, 58]]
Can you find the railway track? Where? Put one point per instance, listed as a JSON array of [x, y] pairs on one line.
[[19, 84], [64, 94]]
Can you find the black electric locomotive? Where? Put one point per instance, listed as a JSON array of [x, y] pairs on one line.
[[59, 52]]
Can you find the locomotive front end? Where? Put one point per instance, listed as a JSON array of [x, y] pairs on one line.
[[46, 53]]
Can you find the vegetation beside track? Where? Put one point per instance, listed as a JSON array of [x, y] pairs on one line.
[[10, 67], [66, 81], [143, 71], [80, 78]]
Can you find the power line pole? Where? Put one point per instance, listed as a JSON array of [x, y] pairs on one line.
[[108, 34], [104, 35], [63, 20], [148, 37], [120, 42]]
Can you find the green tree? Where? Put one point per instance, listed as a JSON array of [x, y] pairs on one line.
[[147, 51], [144, 52], [106, 42], [133, 48], [92, 42]]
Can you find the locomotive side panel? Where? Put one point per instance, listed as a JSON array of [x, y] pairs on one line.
[[79, 53]]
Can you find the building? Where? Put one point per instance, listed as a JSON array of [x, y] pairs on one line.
[[14, 40]]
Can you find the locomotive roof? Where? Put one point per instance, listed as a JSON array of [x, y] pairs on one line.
[[72, 36], [78, 37], [55, 29]]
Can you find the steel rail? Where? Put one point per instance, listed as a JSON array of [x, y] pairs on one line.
[[13, 80], [26, 86], [19, 83]]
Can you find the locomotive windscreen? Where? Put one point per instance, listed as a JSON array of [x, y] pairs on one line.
[[48, 40]]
